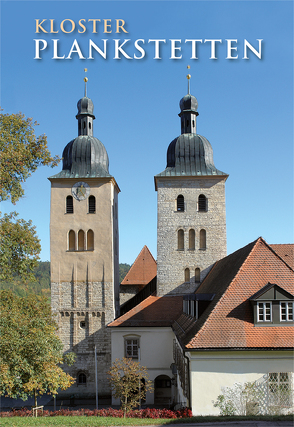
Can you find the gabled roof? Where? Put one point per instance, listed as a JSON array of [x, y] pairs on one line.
[[227, 322], [286, 252], [153, 311], [143, 270], [263, 293]]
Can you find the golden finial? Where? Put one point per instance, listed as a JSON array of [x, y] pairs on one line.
[[188, 77], [85, 80]]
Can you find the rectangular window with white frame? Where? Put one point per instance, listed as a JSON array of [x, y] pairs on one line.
[[132, 348], [264, 311], [286, 311]]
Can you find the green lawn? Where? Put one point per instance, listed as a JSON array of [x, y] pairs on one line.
[[76, 421], [83, 421]]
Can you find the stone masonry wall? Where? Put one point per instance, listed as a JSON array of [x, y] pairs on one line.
[[171, 262], [82, 319], [127, 292]]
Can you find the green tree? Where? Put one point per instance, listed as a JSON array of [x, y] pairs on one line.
[[21, 152], [126, 378], [123, 269], [19, 248], [31, 354]]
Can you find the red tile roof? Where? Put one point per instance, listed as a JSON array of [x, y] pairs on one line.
[[153, 311], [143, 270], [227, 322], [286, 252]]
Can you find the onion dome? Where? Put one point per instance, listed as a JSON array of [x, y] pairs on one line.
[[189, 103], [85, 106], [189, 154], [84, 156]]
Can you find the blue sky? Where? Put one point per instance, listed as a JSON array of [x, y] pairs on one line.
[[245, 106]]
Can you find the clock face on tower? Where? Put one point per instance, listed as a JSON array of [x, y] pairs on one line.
[[80, 190]]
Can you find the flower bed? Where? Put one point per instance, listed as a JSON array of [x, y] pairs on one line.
[[109, 412]]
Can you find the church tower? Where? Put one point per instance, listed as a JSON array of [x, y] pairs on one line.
[[84, 253], [191, 210]]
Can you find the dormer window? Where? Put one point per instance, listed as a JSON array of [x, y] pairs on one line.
[[286, 311], [264, 311], [272, 305], [195, 304]]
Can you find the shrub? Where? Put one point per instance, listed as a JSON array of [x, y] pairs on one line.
[[109, 412]]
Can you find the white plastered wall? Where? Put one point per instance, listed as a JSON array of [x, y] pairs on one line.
[[156, 351], [210, 371]]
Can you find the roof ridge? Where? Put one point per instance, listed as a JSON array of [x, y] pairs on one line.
[[202, 327], [272, 249], [129, 273], [145, 246]]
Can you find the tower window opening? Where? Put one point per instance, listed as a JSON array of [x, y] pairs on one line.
[[69, 204], [197, 275], [82, 379], [193, 123], [89, 125], [81, 240], [84, 125], [188, 123], [180, 240], [202, 203], [92, 204], [187, 275], [180, 203], [202, 239], [71, 240], [90, 240], [83, 324], [191, 239]]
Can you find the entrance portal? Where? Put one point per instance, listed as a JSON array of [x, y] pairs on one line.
[[162, 390]]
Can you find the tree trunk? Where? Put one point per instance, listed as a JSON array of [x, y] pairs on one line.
[[125, 406], [35, 396]]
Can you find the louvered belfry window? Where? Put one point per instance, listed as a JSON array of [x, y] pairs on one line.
[[202, 203], [69, 205], [180, 203], [92, 204]]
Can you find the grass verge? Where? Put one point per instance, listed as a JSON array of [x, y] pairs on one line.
[[83, 421]]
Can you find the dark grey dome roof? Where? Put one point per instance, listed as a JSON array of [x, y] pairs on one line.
[[85, 106], [84, 157], [190, 155], [188, 103]]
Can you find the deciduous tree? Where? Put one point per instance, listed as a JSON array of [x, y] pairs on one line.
[[19, 248], [126, 378], [31, 354], [21, 152]]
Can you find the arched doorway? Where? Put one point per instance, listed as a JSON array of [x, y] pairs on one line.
[[162, 390]]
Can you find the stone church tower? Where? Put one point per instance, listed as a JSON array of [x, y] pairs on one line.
[[191, 210], [84, 254]]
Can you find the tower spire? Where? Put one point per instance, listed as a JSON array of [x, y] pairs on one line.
[[85, 80], [85, 114], [188, 77]]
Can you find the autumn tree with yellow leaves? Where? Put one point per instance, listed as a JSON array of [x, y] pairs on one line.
[[31, 354]]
